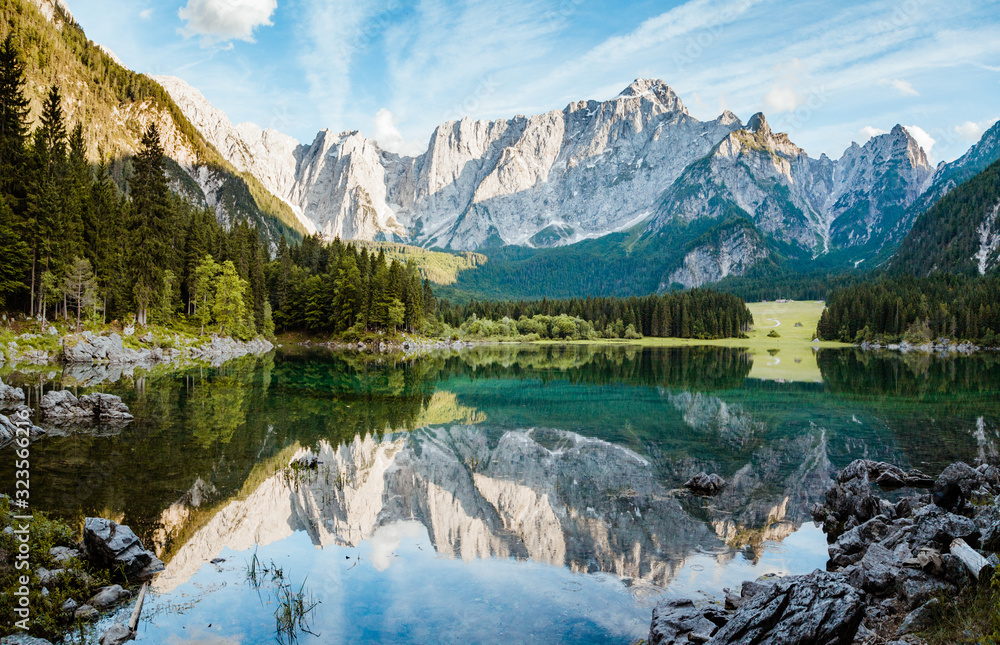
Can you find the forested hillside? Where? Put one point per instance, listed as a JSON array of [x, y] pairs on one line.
[[918, 310], [959, 234], [115, 106]]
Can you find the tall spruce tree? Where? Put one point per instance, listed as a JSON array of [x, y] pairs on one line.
[[14, 108], [150, 215]]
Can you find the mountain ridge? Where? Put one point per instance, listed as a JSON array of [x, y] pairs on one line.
[[589, 170]]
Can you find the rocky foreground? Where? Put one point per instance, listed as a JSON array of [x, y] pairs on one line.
[[890, 562]]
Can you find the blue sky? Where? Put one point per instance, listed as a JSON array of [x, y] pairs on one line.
[[826, 72]]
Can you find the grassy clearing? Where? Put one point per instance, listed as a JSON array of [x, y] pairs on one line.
[[787, 357], [439, 267]]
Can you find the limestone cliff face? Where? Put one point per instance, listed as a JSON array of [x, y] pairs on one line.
[[731, 250], [814, 205], [549, 179], [588, 170]]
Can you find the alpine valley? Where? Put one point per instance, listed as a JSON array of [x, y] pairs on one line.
[[619, 197], [634, 183]]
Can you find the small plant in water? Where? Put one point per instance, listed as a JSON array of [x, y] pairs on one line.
[[293, 607]]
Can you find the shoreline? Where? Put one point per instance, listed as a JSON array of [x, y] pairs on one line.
[[897, 565]]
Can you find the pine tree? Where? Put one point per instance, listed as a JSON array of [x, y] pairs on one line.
[[14, 108], [79, 286], [150, 212], [229, 305], [202, 291], [14, 258]]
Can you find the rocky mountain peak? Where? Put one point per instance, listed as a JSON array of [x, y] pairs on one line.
[[758, 124], [728, 118], [655, 90]]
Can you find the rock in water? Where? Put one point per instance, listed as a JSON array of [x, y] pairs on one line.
[[682, 621], [8, 431], [63, 405], [23, 639], [117, 634], [114, 546], [9, 394], [814, 609], [106, 406], [705, 484]]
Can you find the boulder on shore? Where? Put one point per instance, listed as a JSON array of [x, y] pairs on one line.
[[115, 546], [818, 608], [889, 561], [705, 484]]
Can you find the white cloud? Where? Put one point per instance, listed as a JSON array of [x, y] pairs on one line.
[[901, 86], [972, 131], [146, 14], [925, 140], [222, 20], [782, 99], [389, 137], [868, 132]]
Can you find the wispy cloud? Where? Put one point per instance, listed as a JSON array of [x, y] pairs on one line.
[[901, 86]]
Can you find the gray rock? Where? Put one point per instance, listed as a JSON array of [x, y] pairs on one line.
[[937, 527], [917, 587], [61, 404], [115, 546], [23, 639], [818, 609], [106, 407], [107, 596], [988, 522], [117, 634], [62, 554], [9, 394], [86, 613], [47, 577], [849, 502], [705, 484], [88, 347], [920, 618], [8, 430], [967, 478], [880, 569], [850, 546], [682, 621], [69, 606]]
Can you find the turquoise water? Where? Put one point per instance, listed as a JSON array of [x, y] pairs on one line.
[[504, 494]]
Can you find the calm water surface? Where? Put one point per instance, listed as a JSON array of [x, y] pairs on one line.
[[501, 494]]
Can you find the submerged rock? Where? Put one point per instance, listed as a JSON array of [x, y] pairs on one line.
[[705, 484], [23, 639], [115, 546]]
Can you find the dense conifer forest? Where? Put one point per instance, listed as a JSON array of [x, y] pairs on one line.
[[918, 310]]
